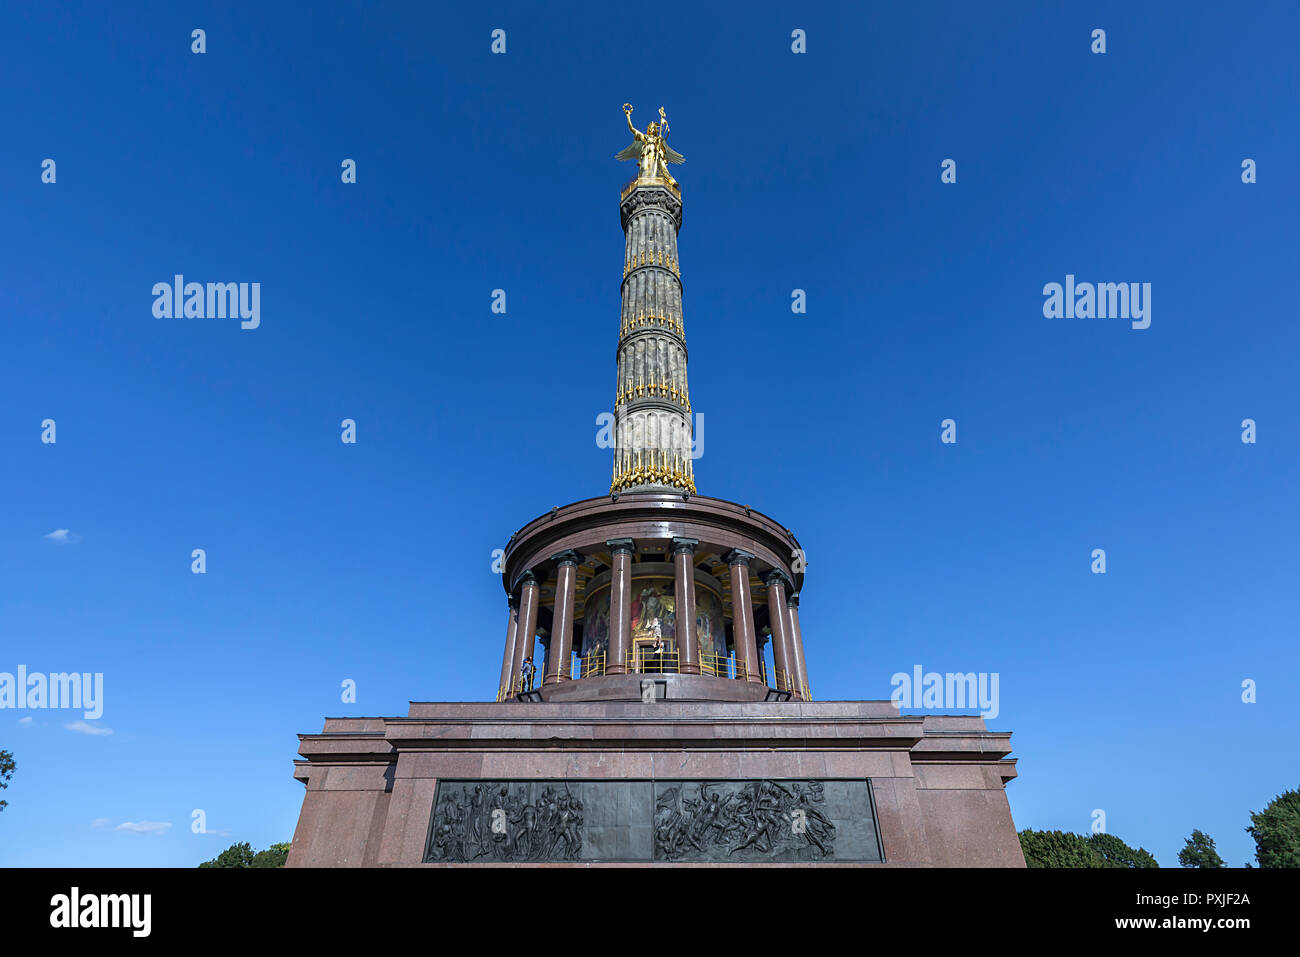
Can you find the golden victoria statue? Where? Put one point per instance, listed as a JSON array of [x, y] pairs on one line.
[[651, 149]]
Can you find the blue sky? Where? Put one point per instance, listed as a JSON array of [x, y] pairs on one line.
[[818, 171]]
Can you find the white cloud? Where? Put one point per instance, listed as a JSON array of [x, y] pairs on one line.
[[27, 719], [85, 727], [144, 827], [61, 536]]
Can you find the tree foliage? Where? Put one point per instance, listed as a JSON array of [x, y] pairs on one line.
[[1200, 852], [273, 856], [1058, 849], [236, 855], [7, 768], [1118, 854], [1065, 849], [1276, 831], [243, 855]]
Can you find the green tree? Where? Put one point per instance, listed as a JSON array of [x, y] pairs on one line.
[[1058, 849], [243, 855], [7, 768], [236, 855], [1276, 831], [1200, 852], [273, 856], [1065, 849], [1118, 854]]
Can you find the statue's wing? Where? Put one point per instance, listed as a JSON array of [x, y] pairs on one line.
[[672, 156], [632, 152]]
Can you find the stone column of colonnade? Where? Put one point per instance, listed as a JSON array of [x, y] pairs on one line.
[[560, 653], [783, 613], [506, 687], [620, 606], [688, 642], [652, 406], [783, 653], [742, 617], [525, 627], [796, 639]]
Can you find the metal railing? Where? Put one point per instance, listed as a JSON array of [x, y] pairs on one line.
[[727, 666], [786, 681], [591, 665], [647, 661], [519, 685]]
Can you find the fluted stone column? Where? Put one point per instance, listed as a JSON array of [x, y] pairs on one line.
[[779, 617], [796, 639], [742, 616], [559, 660], [526, 633], [508, 661], [652, 405], [688, 644], [620, 606]]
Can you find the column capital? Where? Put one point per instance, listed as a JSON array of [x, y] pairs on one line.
[[738, 556], [777, 577], [617, 545], [792, 600], [526, 578], [684, 545], [567, 557]]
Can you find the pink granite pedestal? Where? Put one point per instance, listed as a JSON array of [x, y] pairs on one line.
[[937, 781]]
